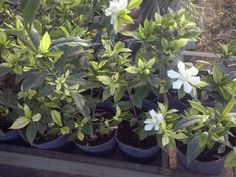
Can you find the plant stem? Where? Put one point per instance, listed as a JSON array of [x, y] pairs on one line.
[[135, 113]]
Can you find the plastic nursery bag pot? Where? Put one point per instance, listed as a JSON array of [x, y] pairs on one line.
[[10, 136], [58, 143], [101, 149], [105, 148], [209, 168], [137, 154]]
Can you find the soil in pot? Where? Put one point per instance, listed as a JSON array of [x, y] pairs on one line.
[[135, 150], [40, 139], [99, 139], [5, 124], [126, 135]]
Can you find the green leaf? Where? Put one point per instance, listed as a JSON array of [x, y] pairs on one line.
[[80, 135], [118, 26], [45, 43], [106, 94], [134, 3], [137, 101], [3, 38], [27, 111], [228, 107], [21, 122], [56, 117], [162, 108], [151, 62], [179, 43], [217, 74], [30, 10], [186, 122], [194, 150], [231, 159], [18, 69], [104, 80], [203, 139], [65, 130], [80, 102], [31, 132], [119, 93], [36, 117], [164, 43], [33, 80], [165, 140], [198, 107], [132, 70]]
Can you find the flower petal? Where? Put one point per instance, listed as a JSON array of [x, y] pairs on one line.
[[195, 80], [181, 67], [159, 117], [177, 84], [152, 113], [192, 71], [108, 12], [187, 87], [148, 121], [173, 74], [156, 127], [148, 127], [113, 19], [123, 4]]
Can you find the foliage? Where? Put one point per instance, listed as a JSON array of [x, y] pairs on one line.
[[71, 68]]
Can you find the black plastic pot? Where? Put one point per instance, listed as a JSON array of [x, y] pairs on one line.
[[10, 136], [209, 168], [101, 149], [137, 154], [59, 143]]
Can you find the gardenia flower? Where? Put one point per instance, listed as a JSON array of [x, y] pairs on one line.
[[115, 7], [184, 77], [154, 122]]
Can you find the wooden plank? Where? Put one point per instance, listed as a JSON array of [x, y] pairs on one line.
[[201, 54], [81, 165]]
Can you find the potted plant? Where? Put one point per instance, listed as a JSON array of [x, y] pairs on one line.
[[41, 126], [94, 135], [8, 105], [207, 139], [95, 129], [140, 138]]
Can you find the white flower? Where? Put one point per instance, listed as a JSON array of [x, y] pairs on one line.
[[115, 7], [184, 77], [154, 121]]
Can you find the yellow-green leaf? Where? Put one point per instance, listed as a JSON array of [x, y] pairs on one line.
[[45, 43]]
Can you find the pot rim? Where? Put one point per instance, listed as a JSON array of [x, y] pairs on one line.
[[203, 162], [97, 146], [42, 144]]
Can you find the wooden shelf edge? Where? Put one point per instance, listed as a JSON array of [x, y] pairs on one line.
[[81, 165]]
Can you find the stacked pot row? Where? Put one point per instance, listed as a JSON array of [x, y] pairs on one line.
[[132, 153]]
